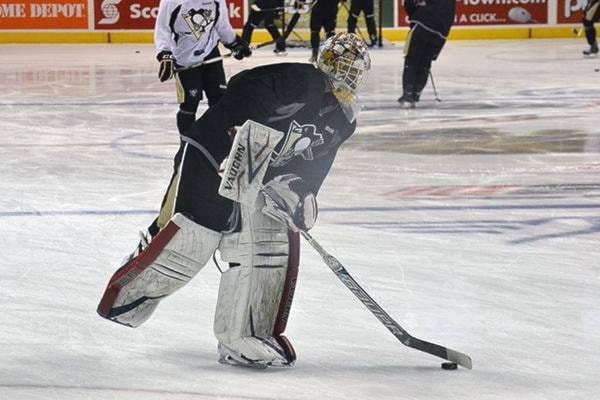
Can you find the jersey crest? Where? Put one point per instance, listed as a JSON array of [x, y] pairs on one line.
[[299, 141], [198, 21]]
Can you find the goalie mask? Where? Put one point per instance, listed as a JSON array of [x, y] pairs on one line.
[[344, 58]]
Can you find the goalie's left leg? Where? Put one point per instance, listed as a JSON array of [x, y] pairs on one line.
[[255, 294], [159, 268]]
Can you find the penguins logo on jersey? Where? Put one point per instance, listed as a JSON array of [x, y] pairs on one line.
[[198, 20], [300, 140]]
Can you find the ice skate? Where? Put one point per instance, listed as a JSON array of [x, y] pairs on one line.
[[592, 51], [407, 100]]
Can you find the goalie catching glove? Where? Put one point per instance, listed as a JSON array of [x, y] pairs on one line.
[[289, 200]]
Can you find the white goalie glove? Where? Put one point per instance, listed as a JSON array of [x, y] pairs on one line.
[[289, 200]]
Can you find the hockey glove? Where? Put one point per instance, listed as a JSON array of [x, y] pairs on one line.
[[239, 48], [289, 200], [165, 71]]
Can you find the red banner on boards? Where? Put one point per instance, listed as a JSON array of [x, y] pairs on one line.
[[141, 14], [570, 11], [493, 12], [125, 14], [43, 14]]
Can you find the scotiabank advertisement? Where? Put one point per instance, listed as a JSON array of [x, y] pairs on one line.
[[141, 14], [570, 11], [493, 12], [44, 14], [125, 14]]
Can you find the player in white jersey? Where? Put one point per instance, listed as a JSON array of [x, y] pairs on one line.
[[187, 34]]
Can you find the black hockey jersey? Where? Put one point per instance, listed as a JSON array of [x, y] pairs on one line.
[[325, 8], [292, 98], [437, 15]]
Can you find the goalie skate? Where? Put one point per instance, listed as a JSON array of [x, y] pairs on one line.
[[267, 353]]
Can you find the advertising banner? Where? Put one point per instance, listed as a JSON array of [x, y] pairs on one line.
[[493, 12], [141, 14], [570, 11], [44, 14], [236, 13], [125, 14]]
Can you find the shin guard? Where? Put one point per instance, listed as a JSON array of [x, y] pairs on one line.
[[173, 257], [255, 295]]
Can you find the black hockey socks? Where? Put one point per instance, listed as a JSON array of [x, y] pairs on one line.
[[185, 119], [314, 44], [247, 32], [371, 29], [352, 23], [421, 81], [590, 32], [409, 83]]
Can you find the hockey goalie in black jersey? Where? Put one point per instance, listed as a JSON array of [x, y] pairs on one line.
[[275, 132]]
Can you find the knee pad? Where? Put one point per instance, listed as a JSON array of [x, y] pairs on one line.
[[255, 295], [173, 257]]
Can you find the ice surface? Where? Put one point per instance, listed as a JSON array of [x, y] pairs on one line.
[[475, 222]]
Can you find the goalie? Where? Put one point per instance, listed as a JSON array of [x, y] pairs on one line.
[[279, 127]]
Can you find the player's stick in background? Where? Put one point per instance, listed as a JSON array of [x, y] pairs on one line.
[[433, 86], [400, 333]]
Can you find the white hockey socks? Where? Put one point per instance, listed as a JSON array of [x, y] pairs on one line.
[[173, 257]]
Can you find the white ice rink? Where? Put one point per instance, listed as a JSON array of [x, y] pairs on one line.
[[475, 222]]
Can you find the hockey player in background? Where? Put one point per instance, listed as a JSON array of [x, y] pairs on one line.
[[323, 15], [368, 8], [186, 34], [286, 122], [430, 22], [591, 15], [267, 11]]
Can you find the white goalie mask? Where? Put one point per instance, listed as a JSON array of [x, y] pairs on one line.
[[344, 58]]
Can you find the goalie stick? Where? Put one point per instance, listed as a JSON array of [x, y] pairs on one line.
[[243, 174], [293, 21], [400, 333]]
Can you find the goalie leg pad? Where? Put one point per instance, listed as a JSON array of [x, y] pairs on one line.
[[174, 256], [255, 296]]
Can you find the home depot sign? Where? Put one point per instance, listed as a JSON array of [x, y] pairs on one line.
[[44, 14]]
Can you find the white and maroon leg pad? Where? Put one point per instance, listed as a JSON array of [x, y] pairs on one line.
[[255, 297], [175, 255]]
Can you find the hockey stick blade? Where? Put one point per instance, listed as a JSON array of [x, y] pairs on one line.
[[400, 333]]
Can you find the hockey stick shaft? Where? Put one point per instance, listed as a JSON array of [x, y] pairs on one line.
[[301, 8], [433, 86], [400, 333]]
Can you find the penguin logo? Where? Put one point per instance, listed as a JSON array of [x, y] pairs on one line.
[[198, 20]]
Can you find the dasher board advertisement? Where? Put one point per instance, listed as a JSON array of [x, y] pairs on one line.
[[43, 14]]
